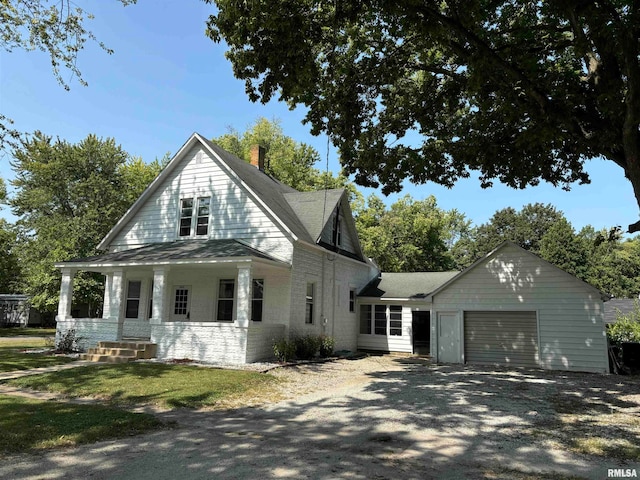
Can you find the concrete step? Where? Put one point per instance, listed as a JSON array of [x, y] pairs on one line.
[[118, 352], [105, 358]]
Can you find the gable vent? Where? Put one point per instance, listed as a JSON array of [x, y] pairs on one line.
[[199, 157]]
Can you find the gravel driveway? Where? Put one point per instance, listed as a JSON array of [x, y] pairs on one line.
[[374, 418]]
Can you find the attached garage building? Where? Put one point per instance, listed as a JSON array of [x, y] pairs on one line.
[[513, 308]]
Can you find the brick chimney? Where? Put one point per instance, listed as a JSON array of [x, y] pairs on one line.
[[257, 156]]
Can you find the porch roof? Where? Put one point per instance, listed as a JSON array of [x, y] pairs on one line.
[[180, 252]]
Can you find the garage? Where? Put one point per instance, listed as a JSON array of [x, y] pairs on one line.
[[499, 337], [513, 308]]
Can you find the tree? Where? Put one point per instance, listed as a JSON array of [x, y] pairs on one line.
[[9, 265], [561, 246], [410, 236], [57, 30], [427, 91], [68, 197], [289, 161], [525, 228]]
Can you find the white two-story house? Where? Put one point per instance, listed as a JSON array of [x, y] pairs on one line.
[[217, 260]]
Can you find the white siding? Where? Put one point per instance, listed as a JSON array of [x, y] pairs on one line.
[[308, 266], [234, 215], [571, 326]]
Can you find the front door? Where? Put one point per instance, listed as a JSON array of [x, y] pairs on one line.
[[181, 307], [421, 328], [449, 337]]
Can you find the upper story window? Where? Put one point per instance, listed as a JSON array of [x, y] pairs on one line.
[[194, 216]]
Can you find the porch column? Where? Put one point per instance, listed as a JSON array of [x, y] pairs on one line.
[[160, 294], [243, 305], [66, 293], [106, 304], [116, 296]]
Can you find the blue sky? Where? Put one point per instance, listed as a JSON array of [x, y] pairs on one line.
[[166, 80]]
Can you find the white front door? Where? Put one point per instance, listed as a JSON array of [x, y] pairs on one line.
[[449, 337], [181, 306]]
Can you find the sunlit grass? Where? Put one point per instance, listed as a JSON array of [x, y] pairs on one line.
[[14, 357], [167, 386], [28, 425]]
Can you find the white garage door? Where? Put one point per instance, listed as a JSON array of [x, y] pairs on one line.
[[506, 338]]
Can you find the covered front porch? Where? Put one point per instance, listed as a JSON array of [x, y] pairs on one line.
[[216, 301]]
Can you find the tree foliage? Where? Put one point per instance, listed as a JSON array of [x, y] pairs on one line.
[[427, 91], [287, 160], [67, 197], [600, 258], [9, 265], [55, 28], [411, 235]]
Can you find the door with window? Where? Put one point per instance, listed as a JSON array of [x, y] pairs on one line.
[[181, 308]]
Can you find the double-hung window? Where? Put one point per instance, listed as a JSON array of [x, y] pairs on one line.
[[194, 216], [133, 299], [257, 296], [309, 300], [226, 291]]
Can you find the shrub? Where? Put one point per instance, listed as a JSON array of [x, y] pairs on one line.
[[69, 342], [306, 346], [626, 328], [327, 344], [284, 350]]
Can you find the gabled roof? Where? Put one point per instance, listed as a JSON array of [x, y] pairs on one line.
[[281, 201], [175, 252], [496, 250], [314, 208], [413, 286]]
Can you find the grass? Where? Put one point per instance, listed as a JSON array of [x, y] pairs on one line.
[[166, 386], [14, 357], [27, 332], [31, 425], [588, 427]]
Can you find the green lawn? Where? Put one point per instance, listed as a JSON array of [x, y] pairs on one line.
[[27, 332], [14, 357], [28, 425], [168, 386]]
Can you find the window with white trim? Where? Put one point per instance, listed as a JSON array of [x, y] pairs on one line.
[[309, 300], [226, 293], [365, 319], [257, 296], [194, 216], [381, 320], [132, 307], [352, 300]]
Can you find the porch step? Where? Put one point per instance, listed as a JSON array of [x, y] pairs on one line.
[[119, 352]]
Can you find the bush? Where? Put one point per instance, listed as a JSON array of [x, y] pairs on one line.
[[69, 342], [626, 328], [306, 346], [327, 345], [284, 350]]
